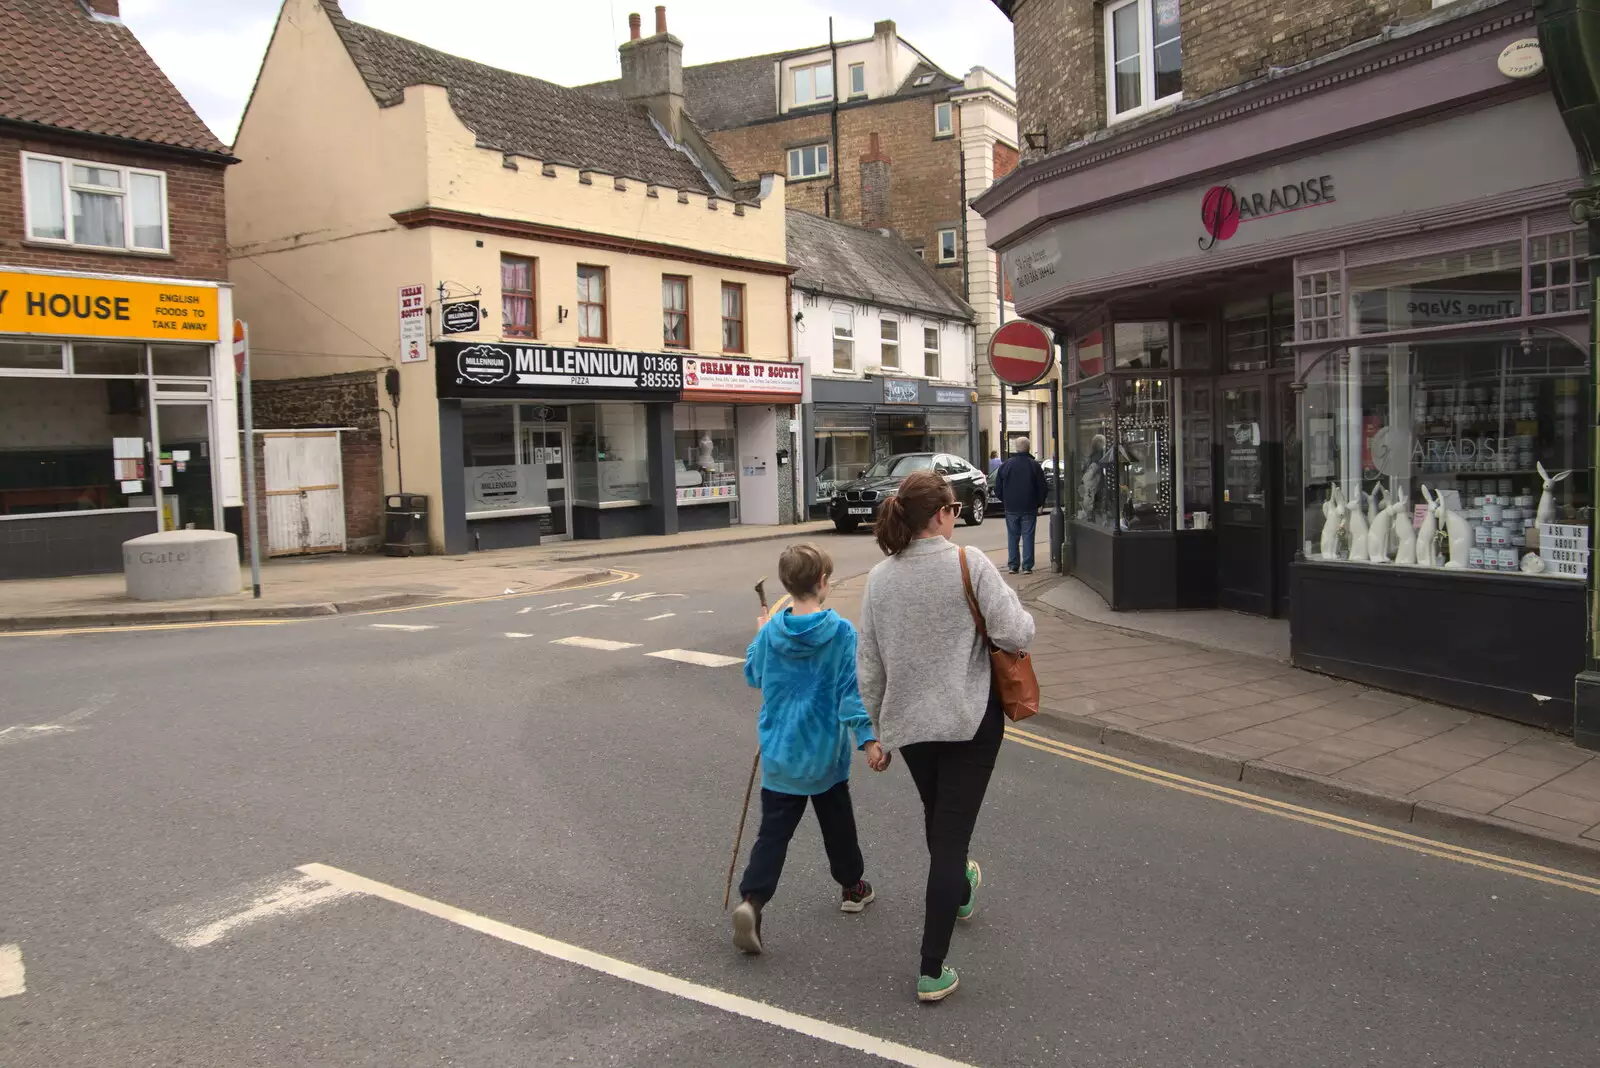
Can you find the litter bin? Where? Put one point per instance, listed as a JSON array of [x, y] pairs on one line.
[[405, 524]]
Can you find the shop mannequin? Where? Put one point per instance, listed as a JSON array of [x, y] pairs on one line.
[[707, 450]]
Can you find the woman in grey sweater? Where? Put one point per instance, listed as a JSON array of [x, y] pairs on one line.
[[924, 677]]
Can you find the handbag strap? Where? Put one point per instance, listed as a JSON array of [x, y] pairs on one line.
[[972, 600]]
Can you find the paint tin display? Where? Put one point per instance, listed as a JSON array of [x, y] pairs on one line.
[[1475, 558], [1508, 559]]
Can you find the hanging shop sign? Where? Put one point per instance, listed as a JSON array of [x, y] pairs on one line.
[[461, 316], [1021, 353], [59, 305], [464, 368], [775, 381], [900, 391]]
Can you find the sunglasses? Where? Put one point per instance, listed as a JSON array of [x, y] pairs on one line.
[[955, 509]]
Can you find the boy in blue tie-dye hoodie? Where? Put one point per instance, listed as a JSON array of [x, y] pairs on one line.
[[804, 662]]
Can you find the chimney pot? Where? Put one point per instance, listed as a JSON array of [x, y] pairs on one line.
[[633, 26], [661, 18]]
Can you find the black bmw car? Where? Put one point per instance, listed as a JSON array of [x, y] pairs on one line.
[[857, 501]]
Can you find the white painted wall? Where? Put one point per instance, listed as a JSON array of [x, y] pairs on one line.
[[889, 62], [756, 431], [814, 341]]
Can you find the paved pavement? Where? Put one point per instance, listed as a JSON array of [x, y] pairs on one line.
[[326, 585], [546, 824]]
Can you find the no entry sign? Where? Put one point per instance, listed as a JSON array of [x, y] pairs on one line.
[[1021, 353]]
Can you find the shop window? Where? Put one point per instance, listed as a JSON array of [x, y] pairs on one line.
[[1558, 272], [809, 161], [1472, 419], [1321, 307], [1095, 464], [74, 444], [193, 361], [705, 453], [1197, 503], [898, 433], [1444, 290], [930, 351], [1142, 346], [611, 453], [841, 450], [950, 432], [591, 303], [1246, 334], [733, 339], [95, 358], [858, 79], [32, 356], [1144, 57], [1244, 471], [844, 340], [517, 317], [1144, 453], [76, 202], [944, 120], [674, 311], [889, 336], [813, 83], [1194, 347], [947, 246]]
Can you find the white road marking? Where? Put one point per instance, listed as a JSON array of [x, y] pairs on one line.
[[524, 611], [663, 615], [516, 634], [402, 626], [690, 656], [13, 976], [562, 604], [651, 596], [706, 612], [65, 725], [810, 1026], [596, 643], [582, 608], [200, 924]]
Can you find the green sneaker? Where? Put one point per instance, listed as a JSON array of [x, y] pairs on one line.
[[929, 989], [974, 880]]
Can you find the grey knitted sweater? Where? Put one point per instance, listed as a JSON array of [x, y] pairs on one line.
[[923, 670]]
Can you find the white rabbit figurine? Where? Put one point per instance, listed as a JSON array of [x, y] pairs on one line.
[[1357, 525], [1405, 533], [1460, 532], [1384, 521], [1547, 499], [1427, 530], [1332, 519]]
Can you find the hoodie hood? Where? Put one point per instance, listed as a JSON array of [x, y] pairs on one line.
[[800, 637]]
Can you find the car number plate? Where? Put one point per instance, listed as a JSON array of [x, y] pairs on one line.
[[858, 511]]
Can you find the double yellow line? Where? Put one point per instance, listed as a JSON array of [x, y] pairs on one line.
[[1326, 820]]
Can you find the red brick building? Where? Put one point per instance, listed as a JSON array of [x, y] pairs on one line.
[[117, 407]]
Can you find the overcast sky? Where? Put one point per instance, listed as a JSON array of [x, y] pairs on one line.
[[211, 49]]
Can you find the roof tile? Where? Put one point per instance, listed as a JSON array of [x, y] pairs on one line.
[[64, 68], [870, 266]]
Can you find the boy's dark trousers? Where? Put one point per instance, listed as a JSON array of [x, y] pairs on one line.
[[780, 816]]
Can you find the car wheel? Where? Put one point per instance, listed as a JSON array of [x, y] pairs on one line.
[[975, 510], [845, 526]]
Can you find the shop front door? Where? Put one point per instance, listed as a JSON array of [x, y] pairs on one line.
[[183, 470], [545, 447], [1258, 522]]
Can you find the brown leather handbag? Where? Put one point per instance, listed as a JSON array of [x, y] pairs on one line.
[[1013, 673]]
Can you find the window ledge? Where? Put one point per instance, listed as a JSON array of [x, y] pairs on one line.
[[944, 136], [99, 250], [810, 178]]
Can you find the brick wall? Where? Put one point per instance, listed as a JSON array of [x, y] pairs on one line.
[[196, 221], [924, 173], [1060, 50], [347, 400]]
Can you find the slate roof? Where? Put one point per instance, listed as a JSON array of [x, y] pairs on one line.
[[840, 260], [521, 114], [937, 80], [64, 68]]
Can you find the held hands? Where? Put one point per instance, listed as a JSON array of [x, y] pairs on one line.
[[878, 758]]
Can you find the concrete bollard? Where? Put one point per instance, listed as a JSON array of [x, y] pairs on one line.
[[176, 565]]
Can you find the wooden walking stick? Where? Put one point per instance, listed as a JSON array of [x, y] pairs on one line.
[[727, 892]]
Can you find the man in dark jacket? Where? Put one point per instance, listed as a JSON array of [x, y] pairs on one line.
[[1020, 485]]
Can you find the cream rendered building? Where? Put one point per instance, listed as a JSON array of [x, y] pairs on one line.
[[631, 370]]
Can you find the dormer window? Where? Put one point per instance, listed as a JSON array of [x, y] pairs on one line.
[[813, 83], [922, 80]]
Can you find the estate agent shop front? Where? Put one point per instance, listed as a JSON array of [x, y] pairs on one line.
[[117, 417], [1337, 375], [543, 442]]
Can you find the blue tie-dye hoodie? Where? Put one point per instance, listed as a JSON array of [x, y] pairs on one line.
[[805, 668]]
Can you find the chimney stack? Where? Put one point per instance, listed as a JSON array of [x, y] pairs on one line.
[[875, 200], [633, 26], [652, 73], [106, 7]]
